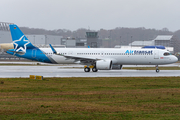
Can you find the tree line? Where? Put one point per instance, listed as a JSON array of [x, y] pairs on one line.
[[117, 36]]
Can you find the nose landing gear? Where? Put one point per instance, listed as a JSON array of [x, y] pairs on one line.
[[157, 69]]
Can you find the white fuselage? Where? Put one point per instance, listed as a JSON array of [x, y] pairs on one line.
[[118, 56]]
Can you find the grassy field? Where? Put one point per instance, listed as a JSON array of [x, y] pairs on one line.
[[90, 98]]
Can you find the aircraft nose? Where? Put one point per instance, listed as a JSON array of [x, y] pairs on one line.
[[175, 59]]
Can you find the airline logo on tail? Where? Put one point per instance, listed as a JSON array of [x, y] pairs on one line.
[[20, 41], [21, 44]]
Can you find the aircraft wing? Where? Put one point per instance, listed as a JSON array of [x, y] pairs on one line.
[[81, 58], [77, 59]]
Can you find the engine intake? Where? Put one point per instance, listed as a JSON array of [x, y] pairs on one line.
[[104, 64]]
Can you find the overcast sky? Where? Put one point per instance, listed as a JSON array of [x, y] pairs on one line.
[[93, 14]]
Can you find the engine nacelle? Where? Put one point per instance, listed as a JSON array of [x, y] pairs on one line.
[[117, 67], [6, 46], [104, 65]]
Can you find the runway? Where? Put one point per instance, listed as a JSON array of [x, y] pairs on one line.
[[61, 71]]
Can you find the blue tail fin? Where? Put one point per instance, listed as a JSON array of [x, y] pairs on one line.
[[20, 41]]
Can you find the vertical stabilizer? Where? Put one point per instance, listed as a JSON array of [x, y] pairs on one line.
[[20, 41]]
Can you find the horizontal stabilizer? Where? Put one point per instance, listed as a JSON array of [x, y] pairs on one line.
[[16, 52]]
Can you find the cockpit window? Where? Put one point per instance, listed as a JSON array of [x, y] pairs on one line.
[[166, 54]]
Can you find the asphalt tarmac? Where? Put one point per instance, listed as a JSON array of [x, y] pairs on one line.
[[76, 71]]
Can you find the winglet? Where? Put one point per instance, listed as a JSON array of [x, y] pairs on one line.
[[54, 51]]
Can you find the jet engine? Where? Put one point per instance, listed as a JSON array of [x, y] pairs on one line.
[[104, 65], [117, 67]]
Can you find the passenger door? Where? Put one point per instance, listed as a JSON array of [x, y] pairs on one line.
[[156, 54]]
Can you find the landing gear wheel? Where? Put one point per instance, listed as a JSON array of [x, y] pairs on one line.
[[94, 69], [86, 69], [157, 70]]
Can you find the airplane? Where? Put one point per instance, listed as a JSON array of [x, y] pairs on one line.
[[93, 58]]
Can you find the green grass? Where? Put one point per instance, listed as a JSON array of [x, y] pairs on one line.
[[90, 98]]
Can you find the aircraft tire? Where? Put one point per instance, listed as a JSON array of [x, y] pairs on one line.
[[86, 69], [94, 69], [157, 70]]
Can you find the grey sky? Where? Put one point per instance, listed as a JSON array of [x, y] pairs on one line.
[[97, 14]]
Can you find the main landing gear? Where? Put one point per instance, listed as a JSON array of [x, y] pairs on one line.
[[87, 69], [94, 69], [157, 69]]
